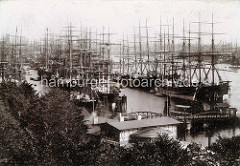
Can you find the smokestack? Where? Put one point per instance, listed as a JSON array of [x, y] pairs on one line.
[[139, 117], [95, 120], [121, 118]]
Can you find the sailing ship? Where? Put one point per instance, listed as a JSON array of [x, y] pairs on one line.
[[235, 63], [200, 81]]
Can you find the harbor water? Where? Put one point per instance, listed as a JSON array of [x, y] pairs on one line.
[[138, 100]]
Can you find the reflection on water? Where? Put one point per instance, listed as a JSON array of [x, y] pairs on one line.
[[138, 100], [204, 137], [233, 96]]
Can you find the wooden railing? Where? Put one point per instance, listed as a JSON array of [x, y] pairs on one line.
[[203, 117], [144, 114]]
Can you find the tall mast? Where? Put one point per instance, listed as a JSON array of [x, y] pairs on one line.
[[155, 57], [90, 50], [70, 50], [164, 55], [100, 49], [120, 58], [20, 55], [3, 59], [46, 50], [98, 56], [86, 41], [169, 49], [147, 48], [183, 51], [86, 48], [108, 50], [96, 41], [12, 59], [199, 49], [213, 58], [140, 49], [173, 51], [103, 43], [160, 41], [160, 44], [108, 43], [189, 55], [16, 61], [135, 51], [123, 52], [128, 57], [81, 49]]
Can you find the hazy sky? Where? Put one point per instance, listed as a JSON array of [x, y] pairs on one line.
[[121, 16]]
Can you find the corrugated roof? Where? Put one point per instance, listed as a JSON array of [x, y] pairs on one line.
[[134, 124]]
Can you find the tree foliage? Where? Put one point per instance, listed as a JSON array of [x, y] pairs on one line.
[[53, 122], [16, 145], [50, 130], [226, 151], [163, 151]]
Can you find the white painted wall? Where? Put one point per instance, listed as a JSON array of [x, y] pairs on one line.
[[124, 136], [170, 130]]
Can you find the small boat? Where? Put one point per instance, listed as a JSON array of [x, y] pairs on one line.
[[234, 67], [108, 89], [85, 100], [89, 104]]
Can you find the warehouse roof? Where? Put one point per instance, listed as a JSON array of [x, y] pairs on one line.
[[134, 124]]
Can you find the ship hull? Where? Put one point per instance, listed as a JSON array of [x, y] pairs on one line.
[[87, 104], [143, 83], [205, 93], [109, 96]]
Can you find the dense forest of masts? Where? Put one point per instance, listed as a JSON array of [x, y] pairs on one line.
[[77, 51]]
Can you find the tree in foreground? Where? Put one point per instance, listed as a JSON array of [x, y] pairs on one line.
[[226, 151], [16, 145], [52, 126], [163, 151], [51, 130], [59, 127]]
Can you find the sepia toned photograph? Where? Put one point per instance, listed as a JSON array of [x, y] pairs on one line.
[[120, 82]]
